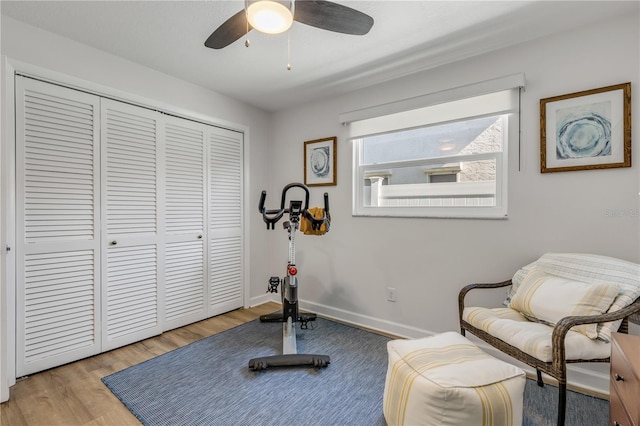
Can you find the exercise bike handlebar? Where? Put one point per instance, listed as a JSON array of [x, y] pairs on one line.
[[295, 185], [326, 203], [271, 217], [316, 224], [263, 197]]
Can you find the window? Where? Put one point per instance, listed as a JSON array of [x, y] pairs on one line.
[[455, 165], [448, 159]]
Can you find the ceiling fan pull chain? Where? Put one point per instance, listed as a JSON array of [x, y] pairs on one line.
[[289, 50], [247, 43]]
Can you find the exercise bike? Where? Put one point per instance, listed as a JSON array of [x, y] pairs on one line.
[[290, 316]]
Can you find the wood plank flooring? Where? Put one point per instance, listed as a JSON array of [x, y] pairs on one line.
[[73, 394]]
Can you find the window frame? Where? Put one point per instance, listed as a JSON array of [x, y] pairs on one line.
[[499, 211]]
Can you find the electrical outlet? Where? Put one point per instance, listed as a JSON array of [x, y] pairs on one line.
[[391, 294]]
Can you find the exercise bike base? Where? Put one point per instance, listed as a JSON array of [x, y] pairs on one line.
[[289, 360], [279, 317]]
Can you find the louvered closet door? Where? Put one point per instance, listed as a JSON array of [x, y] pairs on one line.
[[57, 271], [225, 220], [132, 224], [185, 273]]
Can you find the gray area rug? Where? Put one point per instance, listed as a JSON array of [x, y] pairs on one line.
[[541, 407], [209, 383]]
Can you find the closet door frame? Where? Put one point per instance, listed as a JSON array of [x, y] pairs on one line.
[[14, 67], [8, 232]]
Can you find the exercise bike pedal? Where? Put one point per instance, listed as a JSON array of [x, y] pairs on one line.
[[307, 317], [304, 319], [274, 282]]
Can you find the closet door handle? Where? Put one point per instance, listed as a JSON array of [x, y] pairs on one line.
[[114, 242], [199, 237]]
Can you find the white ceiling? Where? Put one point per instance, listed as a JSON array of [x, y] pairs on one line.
[[407, 36]]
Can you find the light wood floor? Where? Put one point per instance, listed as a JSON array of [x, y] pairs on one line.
[[74, 394]]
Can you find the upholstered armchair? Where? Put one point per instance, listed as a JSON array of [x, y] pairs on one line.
[[560, 309]]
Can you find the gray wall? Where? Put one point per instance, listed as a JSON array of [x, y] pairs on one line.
[[345, 273]]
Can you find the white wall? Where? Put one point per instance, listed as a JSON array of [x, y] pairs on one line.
[[23, 44], [345, 273]]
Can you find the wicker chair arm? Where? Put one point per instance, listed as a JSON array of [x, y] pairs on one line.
[[563, 326], [468, 288]]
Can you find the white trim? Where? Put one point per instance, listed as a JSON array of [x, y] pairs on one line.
[[261, 300], [7, 286], [4, 385], [440, 213], [366, 321], [448, 95]]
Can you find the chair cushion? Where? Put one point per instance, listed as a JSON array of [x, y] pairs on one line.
[[593, 269], [530, 337], [548, 298]]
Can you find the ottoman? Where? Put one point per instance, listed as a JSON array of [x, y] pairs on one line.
[[447, 380]]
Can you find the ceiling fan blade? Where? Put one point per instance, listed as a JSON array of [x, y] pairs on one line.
[[331, 16], [231, 30]]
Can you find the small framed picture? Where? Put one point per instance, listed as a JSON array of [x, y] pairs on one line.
[[586, 130], [320, 162]]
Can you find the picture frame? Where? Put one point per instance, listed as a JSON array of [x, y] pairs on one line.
[[320, 160], [586, 130]]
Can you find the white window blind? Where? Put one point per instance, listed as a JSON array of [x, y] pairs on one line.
[[451, 95], [502, 102], [463, 131]]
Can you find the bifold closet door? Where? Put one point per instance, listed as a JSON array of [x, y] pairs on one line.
[[225, 152], [132, 232], [129, 222], [186, 234], [57, 220]]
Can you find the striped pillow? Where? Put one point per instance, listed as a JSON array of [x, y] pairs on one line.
[[550, 298], [592, 269]]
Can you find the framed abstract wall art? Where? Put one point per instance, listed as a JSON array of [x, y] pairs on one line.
[[586, 130], [320, 162]]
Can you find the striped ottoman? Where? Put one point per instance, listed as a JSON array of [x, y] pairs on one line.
[[447, 380]]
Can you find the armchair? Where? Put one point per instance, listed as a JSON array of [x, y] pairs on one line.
[[551, 340]]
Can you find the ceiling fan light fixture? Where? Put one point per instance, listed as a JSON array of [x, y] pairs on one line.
[[270, 16]]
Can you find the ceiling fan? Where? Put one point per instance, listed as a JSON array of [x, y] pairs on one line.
[[276, 16]]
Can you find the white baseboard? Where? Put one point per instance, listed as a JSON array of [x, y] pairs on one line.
[[579, 377], [385, 326], [261, 300]]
